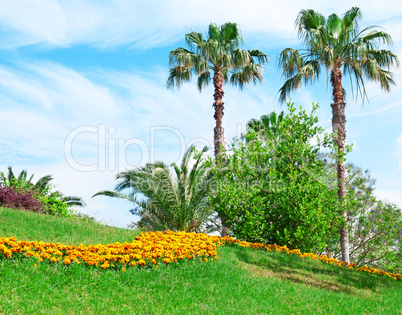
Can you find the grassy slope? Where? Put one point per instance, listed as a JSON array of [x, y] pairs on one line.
[[241, 281]]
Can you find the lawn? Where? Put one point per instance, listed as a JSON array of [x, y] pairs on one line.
[[242, 280]]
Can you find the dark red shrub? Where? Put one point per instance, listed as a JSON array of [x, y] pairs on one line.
[[19, 199]]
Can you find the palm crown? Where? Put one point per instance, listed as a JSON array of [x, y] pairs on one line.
[[220, 53], [178, 202], [339, 45]]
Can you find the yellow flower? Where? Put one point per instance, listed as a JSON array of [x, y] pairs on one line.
[[67, 261], [141, 262]]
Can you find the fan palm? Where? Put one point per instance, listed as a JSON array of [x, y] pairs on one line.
[[342, 48], [177, 202], [268, 126], [220, 54]]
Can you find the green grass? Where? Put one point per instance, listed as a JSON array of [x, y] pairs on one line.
[[37, 227], [241, 281]]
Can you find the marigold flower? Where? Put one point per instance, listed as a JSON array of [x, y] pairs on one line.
[[141, 262], [67, 261], [166, 260]]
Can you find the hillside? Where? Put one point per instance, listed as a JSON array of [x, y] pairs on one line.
[[241, 281]]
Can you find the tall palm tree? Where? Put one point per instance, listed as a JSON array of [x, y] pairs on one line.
[[178, 202], [220, 54], [342, 48]]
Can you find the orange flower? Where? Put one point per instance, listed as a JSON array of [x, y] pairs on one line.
[[141, 262], [67, 261]]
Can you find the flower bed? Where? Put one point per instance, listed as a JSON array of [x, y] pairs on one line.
[[150, 250]]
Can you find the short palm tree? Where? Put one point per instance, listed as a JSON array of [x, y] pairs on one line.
[[221, 54], [42, 186], [342, 48], [176, 201], [268, 126]]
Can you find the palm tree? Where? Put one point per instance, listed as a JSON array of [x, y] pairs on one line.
[[42, 186], [339, 45], [268, 126], [218, 53], [178, 202]]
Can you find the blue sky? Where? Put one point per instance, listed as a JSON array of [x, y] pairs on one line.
[[83, 95]]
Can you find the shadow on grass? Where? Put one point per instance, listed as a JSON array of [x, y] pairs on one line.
[[310, 272]]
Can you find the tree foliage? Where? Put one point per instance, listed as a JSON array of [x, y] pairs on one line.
[[337, 44], [375, 226], [221, 51], [268, 189]]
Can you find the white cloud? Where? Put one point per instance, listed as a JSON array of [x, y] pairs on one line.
[[393, 196], [154, 23]]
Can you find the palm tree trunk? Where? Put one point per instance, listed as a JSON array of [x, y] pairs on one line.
[[339, 128], [219, 132]]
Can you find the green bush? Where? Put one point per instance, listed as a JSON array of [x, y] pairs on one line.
[[269, 188], [54, 204]]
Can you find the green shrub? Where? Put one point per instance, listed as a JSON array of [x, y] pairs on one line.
[[269, 188]]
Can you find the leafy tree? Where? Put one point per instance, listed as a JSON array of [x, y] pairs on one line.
[[375, 226], [342, 48], [176, 201], [278, 201], [220, 53]]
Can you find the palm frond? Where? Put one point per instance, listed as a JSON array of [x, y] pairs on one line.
[[376, 36], [259, 55], [384, 58], [291, 84], [115, 194], [203, 80], [74, 201], [177, 76], [11, 178], [43, 183], [194, 39], [351, 19], [290, 60], [310, 25]]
